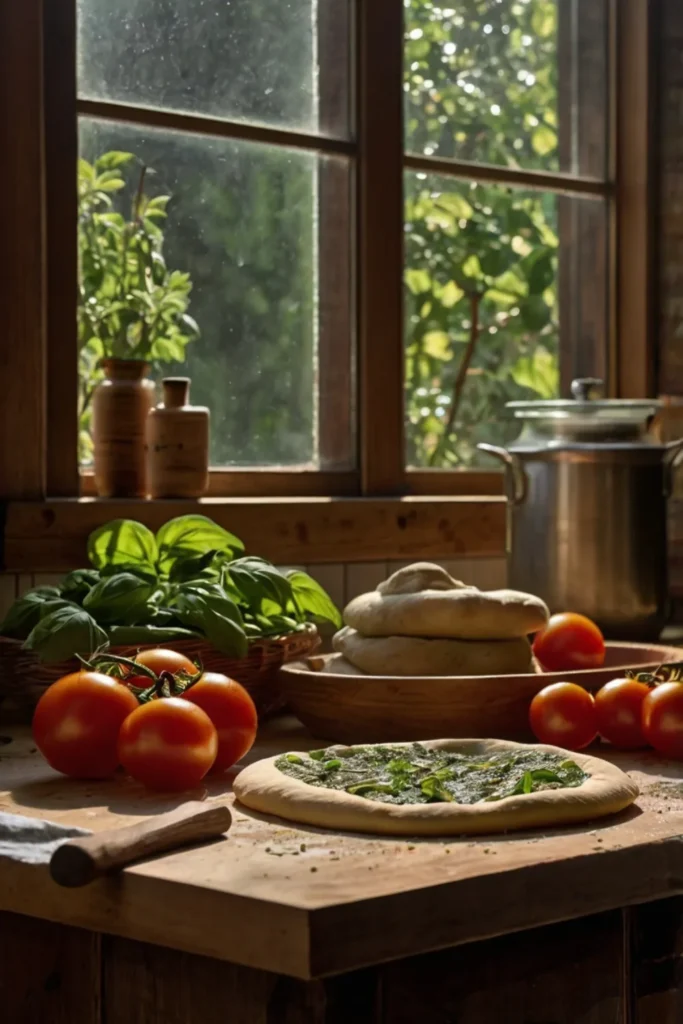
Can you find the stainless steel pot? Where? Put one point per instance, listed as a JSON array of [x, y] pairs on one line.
[[587, 490]]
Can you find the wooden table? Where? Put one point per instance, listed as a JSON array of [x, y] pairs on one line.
[[285, 925]]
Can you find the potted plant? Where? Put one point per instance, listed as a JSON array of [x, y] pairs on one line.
[[132, 313]]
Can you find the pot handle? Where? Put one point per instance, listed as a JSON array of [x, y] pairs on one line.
[[514, 470], [673, 457]]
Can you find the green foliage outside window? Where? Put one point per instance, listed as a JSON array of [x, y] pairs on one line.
[[481, 260]]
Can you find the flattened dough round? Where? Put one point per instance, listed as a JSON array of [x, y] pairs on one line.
[[264, 788], [337, 665], [460, 614], [413, 656]]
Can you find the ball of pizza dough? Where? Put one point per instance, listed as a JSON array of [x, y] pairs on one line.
[[423, 600], [414, 656]]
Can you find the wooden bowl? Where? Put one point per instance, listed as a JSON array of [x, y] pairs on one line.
[[380, 709]]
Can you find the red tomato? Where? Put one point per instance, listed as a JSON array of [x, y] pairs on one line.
[[564, 714], [161, 659], [76, 724], [231, 710], [663, 719], [619, 711], [168, 744], [569, 642]]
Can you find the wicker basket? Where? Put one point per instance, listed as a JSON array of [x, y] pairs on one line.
[[23, 678]]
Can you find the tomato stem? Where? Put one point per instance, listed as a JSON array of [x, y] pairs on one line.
[[118, 659]]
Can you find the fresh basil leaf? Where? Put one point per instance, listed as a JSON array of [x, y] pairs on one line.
[[24, 614], [122, 599], [525, 785], [312, 600], [162, 617], [193, 535], [258, 581], [217, 617], [77, 584], [275, 625], [124, 636], [134, 570], [194, 567], [123, 542], [433, 788], [65, 632], [544, 775]]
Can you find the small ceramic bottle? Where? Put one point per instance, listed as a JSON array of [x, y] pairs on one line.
[[121, 405], [177, 444]]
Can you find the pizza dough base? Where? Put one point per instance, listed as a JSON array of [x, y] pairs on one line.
[[414, 656], [264, 788], [458, 614]]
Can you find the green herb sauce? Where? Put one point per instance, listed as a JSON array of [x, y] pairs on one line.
[[413, 774]]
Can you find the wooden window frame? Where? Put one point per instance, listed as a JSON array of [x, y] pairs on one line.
[[37, 287]]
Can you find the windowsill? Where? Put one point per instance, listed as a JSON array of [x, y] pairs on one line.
[[51, 535]]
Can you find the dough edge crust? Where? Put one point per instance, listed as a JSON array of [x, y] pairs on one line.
[[466, 614], [264, 788]]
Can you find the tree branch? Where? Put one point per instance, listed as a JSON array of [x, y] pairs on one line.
[[461, 377]]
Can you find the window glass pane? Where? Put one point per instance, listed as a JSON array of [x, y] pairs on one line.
[[512, 82], [494, 278], [248, 223], [279, 62]]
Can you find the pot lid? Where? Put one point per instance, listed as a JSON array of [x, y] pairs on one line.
[[587, 416]]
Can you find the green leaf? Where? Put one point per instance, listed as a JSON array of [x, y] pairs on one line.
[[418, 281], [456, 204], [115, 158], [65, 632], [437, 344], [544, 140], [362, 788], [434, 788], [450, 295], [193, 535], [122, 599], [540, 372], [194, 567], [258, 580], [471, 268], [311, 599], [525, 785], [216, 616], [125, 636], [544, 20], [25, 613], [123, 542], [77, 584], [535, 313], [539, 269]]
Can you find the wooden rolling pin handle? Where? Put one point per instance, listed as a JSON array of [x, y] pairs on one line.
[[79, 861]]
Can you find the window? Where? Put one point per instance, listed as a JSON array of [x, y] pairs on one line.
[[396, 215]]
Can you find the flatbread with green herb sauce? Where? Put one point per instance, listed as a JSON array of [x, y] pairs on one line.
[[438, 787]]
